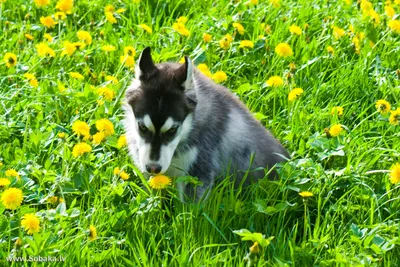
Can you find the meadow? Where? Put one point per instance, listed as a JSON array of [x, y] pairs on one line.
[[323, 76]]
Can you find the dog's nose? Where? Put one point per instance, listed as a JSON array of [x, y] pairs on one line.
[[153, 168]]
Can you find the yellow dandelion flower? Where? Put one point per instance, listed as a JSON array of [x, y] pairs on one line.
[[48, 37], [60, 16], [395, 174], [267, 29], [81, 128], [110, 17], [108, 48], [226, 41], [112, 78], [254, 2], [106, 126], [337, 110], [10, 59], [30, 222], [294, 29], [295, 94], [284, 50], [394, 117], [65, 6], [219, 77], [207, 37], [4, 182], [55, 200], [122, 141], [31, 79], [12, 173], [92, 233], [29, 37], [306, 194], [80, 149], [48, 22], [246, 44], [330, 50], [44, 50], [275, 81], [12, 198], [382, 106], [239, 27], [121, 10], [159, 182], [68, 49], [109, 8], [84, 36], [124, 175], [390, 12], [116, 171], [98, 138], [61, 135], [394, 25], [374, 16], [41, 3], [181, 29], [335, 130], [204, 69], [146, 28], [76, 75], [130, 51], [338, 32], [127, 60], [106, 93], [182, 20]]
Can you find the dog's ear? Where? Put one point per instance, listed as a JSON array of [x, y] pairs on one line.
[[185, 74], [145, 68]]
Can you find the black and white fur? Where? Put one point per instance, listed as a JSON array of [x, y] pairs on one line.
[[180, 122]]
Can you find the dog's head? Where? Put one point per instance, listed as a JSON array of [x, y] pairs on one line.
[[159, 110]]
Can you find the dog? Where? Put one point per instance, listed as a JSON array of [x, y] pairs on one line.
[[179, 122]]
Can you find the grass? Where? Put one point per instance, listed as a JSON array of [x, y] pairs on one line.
[[352, 219]]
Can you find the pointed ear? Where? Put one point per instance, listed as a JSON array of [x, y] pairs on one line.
[[185, 73], [145, 67]]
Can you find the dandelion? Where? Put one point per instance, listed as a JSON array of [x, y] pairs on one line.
[[12, 173], [246, 44], [356, 43], [84, 36], [254, 2], [382, 106], [106, 126], [395, 174], [130, 51], [65, 6], [182, 19], [338, 32], [106, 93], [29, 37], [283, 50], [48, 22], [98, 138], [124, 176], [204, 69], [92, 233], [127, 60], [295, 94], [60, 16], [69, 49], [181, 29], [122, 141], [335, 130], [306, 194], [121, 10], [81, 128], [239, 27], [337, 110], [146, 28], [41, 3], [61, 135], [294, 29], [4, 182], [80, 149], [374, 16], [55, 200], [330, 50], [44, 50], [10, 59], [207, 37], [220, 76], [30, 223], [225, 42], [267, 29], [110, 17], [395, 117], [112, 78], [12, 198], [292, 67], [109, 8], [394, 25], [159, 182], [275, 81], [76, 75], [390, 12], [108, 48], [48, 37], [31, 79]]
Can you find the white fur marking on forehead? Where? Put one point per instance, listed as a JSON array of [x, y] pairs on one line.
[[167, 125], [149, 124]]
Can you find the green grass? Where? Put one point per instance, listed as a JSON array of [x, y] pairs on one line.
[[353, 217]]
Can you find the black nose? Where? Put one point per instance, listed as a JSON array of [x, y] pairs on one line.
[[153, 168]]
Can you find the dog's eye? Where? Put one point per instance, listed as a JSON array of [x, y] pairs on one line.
[[142, 128], [172, 130]]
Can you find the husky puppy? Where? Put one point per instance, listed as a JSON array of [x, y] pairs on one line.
[[180, 122]]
